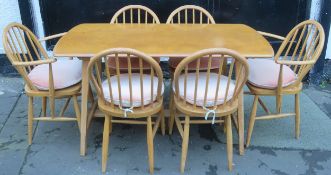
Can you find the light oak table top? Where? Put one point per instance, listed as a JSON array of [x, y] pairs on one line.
[[86, 40]]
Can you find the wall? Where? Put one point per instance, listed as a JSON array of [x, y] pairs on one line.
[[315, 9], [328, 46], [9, 12]]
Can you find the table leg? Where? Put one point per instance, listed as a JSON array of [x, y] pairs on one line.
[[241, 123], [83, 124]]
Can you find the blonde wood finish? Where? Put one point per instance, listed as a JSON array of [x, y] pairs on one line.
[[156, 40], [150, 144], [52, 36], [238, 70], [172, 113], [135, 14], [30, 120], [297, 115], [272, 35], [86, 40], [64, 108], [117, 110], [44, 106], [190, 14], [25, 52], [84, 112], [56, 119], [105, 143], [240, 120], [305, 41], [185, 143], [163, 124], [229, 145], [273, 116], [187, 14]]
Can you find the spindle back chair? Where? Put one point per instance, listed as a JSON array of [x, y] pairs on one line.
[[299, 51], [202, 93], [132, 97], [190, 14], [132, 14], [135, 14], [25, 52]]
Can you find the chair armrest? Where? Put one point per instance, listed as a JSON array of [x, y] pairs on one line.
[[33, 63], [271, 35], [288, 62], [52, 36]]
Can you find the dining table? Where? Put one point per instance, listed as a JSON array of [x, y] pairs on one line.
[[157, 40]]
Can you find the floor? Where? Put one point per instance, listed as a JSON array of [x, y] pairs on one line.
[[55, 148]]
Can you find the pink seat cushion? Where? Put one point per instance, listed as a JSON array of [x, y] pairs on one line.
[[215, 63], [190, 87], [65, 74], [264, 73], [136, 90]]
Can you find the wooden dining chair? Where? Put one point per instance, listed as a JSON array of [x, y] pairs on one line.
[[135, 14], [207, 97], [45, 77], [132, 14], [129, 98], [190, 14], [297, 54]]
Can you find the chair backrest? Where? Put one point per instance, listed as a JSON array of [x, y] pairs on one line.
[[234, 76], [301, 49], [190, 14], [21, 45], [129, 55], [135, 14]]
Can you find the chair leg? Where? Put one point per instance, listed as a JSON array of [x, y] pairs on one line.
[[297, 116], [229, 145], [105, 143], [224, 127], [52, 106], [172, 109], [30, 120], [110, 125], [279, 100], [185, 143], [90, 94], [44, 106], [264, 106], [252, 121], [162, 121], [65, 107], [150, 145], [77, 110]]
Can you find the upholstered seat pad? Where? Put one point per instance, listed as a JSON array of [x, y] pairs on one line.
[[136, 90], [65, 74], [215, 63], [190, 87], [265, 72]]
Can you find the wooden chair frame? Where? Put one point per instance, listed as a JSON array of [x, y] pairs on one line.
[[137, 114], [306, 40], [202, 13], [193, 113], [131, 8], [142, 15], [25, 52]]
